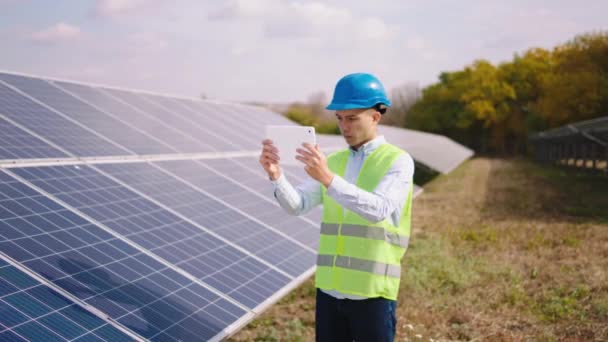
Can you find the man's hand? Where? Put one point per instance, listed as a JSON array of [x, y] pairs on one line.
[[315, 163], [269, 159]]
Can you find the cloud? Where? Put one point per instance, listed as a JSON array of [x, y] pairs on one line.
[[315, 22], [111, 8], [57, 33], [146, 41]]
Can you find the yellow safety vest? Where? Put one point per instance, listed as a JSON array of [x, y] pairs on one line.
[[357, 256]]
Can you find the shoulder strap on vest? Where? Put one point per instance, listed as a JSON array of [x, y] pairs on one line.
[[337, 161], [377, 165]]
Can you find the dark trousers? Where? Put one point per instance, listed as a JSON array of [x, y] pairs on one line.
[[354, 320]]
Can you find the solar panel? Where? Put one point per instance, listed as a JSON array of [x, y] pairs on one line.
[[111, 127], [127, 284], [227, 186], [194, 126], [52, 126], [216, 120], [190, 129], [433, 150], [248, 126], [32, 311], [193, 249], [201, 207], [16, 143]]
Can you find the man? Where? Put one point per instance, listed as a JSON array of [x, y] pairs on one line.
[[366, 192]]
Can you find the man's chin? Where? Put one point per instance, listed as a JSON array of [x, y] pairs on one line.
[[350, 141]]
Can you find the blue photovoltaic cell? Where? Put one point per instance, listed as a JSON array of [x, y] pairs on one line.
[[192, 130], [98, 121], [131, 287], [16, 143], [225, 123], [250, 121], [52, 126], [264, 209], [159, 128], [214, 135], [31, 311], [219, 124], [154, 228], [226, 222]]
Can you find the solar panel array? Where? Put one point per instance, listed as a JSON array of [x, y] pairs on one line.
[[130, 215]]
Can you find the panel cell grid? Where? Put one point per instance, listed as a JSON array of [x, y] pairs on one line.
[[215, 216], [197, 135], [32, 311], [215, 119], [52, 126], [86, 115], [159, 128], [249, 171], [241, 198], [16, 143], [131, 287], [159, 231], [196, 127]]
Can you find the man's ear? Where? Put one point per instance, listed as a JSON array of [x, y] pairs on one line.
[[376, 116]]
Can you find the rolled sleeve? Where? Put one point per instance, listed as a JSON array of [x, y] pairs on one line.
[[297, 200]]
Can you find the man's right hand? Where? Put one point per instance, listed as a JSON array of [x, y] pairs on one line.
[[269, 159]]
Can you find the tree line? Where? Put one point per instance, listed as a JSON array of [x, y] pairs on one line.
[[494, 108]]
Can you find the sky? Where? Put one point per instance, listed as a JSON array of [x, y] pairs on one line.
[[275, 51]]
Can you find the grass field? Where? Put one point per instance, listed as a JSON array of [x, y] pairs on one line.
[[502, 250]]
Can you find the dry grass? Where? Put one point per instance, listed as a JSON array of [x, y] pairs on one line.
[[502, 250]]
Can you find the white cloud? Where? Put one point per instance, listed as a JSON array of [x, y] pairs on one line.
[[146, 41], [110, 8], [57, 33], [315, 22]]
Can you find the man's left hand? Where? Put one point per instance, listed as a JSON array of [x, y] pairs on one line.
[[315, 163]]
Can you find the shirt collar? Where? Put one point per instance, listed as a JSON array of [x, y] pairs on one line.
[[369, 146]]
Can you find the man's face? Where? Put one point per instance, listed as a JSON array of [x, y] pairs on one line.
[[358, 126]]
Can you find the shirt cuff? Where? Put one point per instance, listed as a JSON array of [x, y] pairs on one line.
[[279, 182], [337, 186]]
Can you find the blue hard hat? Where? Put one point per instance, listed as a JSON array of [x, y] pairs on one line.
[[358, 91]]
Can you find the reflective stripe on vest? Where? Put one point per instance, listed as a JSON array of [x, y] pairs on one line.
[[366, 232], [360, 265]]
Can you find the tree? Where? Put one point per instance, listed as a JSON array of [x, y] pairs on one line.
[[402, 99]]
